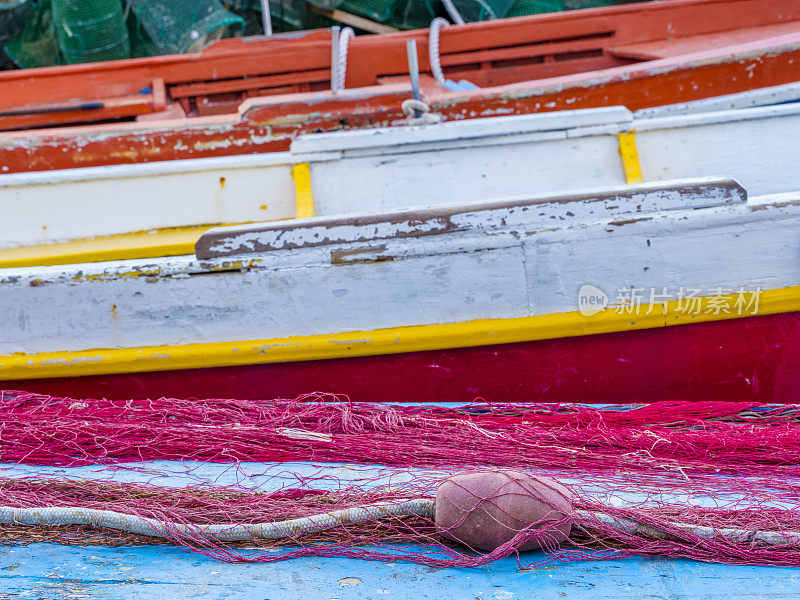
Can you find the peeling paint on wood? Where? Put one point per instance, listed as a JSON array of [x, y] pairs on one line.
[[482, 269], [391, 169], [269, 124], [570, 209]]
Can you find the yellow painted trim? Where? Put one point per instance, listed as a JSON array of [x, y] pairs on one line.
[[173, 241], [304, 195], [369, 343], [630, 157]]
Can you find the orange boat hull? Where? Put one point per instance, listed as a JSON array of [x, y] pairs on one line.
[[270, 124], [634, 55]]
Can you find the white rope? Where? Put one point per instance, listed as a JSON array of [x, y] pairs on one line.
[[340, 71], [433, 49], [422, 507], [412, 107], [72, 515], [743, 536], [451, 10]]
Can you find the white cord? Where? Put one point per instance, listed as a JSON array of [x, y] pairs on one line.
[[767, 538], [72, 515], [422, 507], [433, 49], [454, 14], [340, 73]]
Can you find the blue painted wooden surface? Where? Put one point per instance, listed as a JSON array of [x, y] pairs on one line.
[[47, 571], [50, 571]]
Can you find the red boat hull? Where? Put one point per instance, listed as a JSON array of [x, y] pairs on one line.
[[749, 359]]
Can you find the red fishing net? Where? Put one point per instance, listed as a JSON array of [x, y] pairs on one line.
[[712, 481]]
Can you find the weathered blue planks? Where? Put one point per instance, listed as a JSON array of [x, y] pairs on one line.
[[51, 571], [47, 571]]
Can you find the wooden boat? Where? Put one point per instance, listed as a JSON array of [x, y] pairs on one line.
[[634, 55], [645, 291], [551, 299], [131, 211]]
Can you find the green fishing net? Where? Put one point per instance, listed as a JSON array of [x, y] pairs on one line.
[[46, 32], [178, 26], [414, 14], [90, 30], [299, 14], [535, 7], [13, 15], [71, 31], [401, 14], [35, 45], [287, 15], [481, 10]]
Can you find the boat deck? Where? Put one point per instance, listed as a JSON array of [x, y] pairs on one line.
[[50, 571], [45, 571]]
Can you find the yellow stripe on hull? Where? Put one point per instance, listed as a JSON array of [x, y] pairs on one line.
[[144, 244], [370, 343], [304, 193], [172, 241], [630, 158]]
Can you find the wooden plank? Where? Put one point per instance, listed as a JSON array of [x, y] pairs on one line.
[[45, 114], [395, 168], [628, 24], [304, 193], [148, 244], [678, 46], [129, 76], [266, 237], [352, 20], [189, 90], [522, 52], [396, 138], [630, 157], [764, 97], [119, 207]]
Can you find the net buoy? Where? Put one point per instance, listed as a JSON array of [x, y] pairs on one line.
[[486, 509]]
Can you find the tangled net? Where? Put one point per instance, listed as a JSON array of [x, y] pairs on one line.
[[703, 466]]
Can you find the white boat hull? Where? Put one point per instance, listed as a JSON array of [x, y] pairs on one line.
[[367, 171]]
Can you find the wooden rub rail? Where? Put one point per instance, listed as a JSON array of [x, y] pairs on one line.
[[319, 231]]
